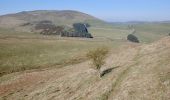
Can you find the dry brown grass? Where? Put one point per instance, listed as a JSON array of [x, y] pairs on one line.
[[143, 75], [98, 56], [25, 54]]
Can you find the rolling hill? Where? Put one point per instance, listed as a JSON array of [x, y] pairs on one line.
[[39, 67], [23, 22], [26, 20]]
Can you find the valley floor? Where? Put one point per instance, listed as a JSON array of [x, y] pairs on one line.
[[141, 72]]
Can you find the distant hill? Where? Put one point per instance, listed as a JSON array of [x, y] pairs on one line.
[[27, 19]]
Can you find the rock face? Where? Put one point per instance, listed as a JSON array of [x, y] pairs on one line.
[[76, 34], [132, 38], [48, 28], [79, 30]]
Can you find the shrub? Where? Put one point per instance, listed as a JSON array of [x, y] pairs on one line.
[[97, 56], [132, 38], [169, 34]]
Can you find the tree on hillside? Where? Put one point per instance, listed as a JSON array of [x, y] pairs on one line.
[[132, 38]]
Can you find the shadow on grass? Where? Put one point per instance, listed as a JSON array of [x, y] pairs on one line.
[[108, 71]]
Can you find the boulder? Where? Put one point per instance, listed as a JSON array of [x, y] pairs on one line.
[[79, 30]]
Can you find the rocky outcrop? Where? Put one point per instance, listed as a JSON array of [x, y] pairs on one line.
[[78, 30]]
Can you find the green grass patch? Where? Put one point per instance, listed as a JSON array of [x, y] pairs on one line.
[[17, 54]]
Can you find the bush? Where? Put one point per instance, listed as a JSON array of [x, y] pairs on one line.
[[132, 38], [169, 34], [97, 56]]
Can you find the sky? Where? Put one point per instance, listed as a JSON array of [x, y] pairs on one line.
[[108, 10]]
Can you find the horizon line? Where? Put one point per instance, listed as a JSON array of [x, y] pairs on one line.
[[104, 19]]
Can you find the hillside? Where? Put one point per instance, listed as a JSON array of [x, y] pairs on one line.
[[26, 20], [146, 31], [141, 72]]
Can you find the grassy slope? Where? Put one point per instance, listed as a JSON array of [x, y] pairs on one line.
[[144, 75], [146, 32], [150, 32], [20, 51], [63, 17], [110, 33]]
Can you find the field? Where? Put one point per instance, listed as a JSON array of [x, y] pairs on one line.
[[146, 32], [22, 51], [36, 67], [150, 32], [139, 72], [19, 51]]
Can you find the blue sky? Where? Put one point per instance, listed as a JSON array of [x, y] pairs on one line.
[[109, 10]]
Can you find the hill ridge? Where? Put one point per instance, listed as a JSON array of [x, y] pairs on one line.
[[58, 17]]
